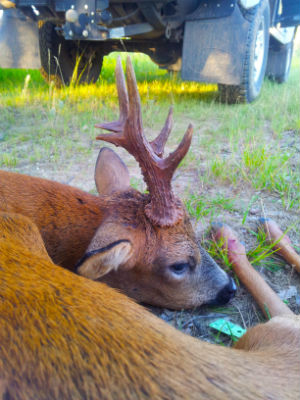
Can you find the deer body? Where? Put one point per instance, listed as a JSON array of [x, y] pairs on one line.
[[67, 217], [65, 337], [143, 244]]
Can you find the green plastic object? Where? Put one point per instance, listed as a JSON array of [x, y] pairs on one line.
[[228, 328]]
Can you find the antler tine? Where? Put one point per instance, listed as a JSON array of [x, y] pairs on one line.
[[135, 115], [117, 126], [173, 160], [122, 91], [158, 144]]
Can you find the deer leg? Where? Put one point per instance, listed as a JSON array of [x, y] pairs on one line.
[[283, 243], [270, 304]]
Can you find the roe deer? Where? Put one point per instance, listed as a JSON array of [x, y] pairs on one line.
[[143, 244], [65, 337]]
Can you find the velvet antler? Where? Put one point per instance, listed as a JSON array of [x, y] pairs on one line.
[[164, 209]]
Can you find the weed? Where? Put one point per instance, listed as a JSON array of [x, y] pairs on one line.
[[26, 83], [137, 184], [267, 311], [263, 249], [204, 206], [216, 250], [7, 160], [252, 201]]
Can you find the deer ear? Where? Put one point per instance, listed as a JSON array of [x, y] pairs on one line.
[[99, 262], [111, 174]]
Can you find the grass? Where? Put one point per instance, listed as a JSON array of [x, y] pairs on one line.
[[200, 206], [263, 170], [243, 151]]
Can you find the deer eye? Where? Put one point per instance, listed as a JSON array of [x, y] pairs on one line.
[[179, 268]]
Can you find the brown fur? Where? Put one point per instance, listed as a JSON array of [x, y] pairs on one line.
[[65, 337], [67, 217], [75, 224]]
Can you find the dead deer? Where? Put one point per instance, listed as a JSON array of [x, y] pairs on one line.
[[143, 244], [65, 337]]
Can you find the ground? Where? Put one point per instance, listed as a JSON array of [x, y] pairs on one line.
[[243, 162]]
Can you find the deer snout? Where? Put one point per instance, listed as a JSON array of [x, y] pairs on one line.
[[221, 286], [225, 294]]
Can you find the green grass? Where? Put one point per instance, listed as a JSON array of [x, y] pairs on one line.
[[263, 168], [239, 146], [200, 206]]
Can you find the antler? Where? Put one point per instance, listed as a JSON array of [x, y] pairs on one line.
[[164, 208]]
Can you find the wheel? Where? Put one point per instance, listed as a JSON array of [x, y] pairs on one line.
[[279, 60], [255, 58], [60, 57]]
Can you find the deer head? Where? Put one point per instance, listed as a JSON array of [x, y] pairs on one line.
[[146, 245]]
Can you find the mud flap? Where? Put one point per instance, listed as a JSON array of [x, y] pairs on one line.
[[19, 44], [214, 49]]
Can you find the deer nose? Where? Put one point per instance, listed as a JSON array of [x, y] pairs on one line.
[[226, 294]]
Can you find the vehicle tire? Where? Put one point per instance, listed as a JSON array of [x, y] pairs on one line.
[[255, 58], [59, 57], [279, 60]]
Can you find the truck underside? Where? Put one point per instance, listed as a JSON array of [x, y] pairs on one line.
[[207, 40]]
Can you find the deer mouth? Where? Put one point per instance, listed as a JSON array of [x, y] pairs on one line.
[[225, 294]]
